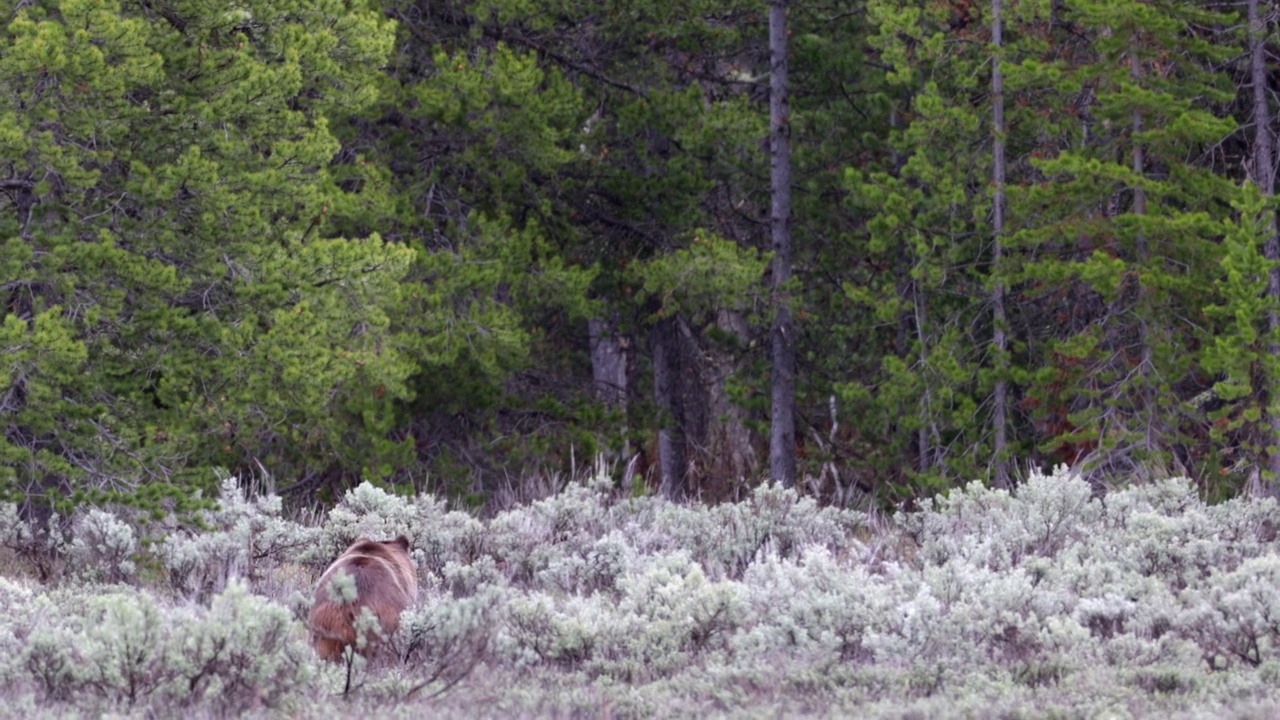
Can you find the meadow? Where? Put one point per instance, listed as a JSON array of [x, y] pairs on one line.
[[1043, 602]]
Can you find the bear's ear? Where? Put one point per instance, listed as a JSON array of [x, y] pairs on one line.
[[403, 542]]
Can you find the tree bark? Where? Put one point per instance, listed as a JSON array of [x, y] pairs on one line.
[[1264, 176], [608, 363], [664, 341], [731, 455], [609, 370], [782, 430], [1000, 395]]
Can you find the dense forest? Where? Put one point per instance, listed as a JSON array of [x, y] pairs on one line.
[[873, 248]]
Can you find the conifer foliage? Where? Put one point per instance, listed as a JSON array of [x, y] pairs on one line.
[[398, 241]]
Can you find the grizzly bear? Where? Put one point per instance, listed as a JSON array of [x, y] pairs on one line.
[[383, 579]]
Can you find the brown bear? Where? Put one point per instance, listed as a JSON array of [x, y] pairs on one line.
[[383, 579]]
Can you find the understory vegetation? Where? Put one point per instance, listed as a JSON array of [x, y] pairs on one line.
[[1047, 601]]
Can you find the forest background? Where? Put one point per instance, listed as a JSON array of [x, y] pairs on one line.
[[465, 247]]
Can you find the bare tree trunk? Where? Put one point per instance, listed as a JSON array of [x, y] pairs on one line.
[[731, 453], [1000, 399], [664, 342], [609, 368], [1264, 176], [782, 427], [924, 459], [608, 363]]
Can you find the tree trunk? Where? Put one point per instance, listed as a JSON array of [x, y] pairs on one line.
[[608, 363], [609, 369], [1264, 176], [664, 340], [731, 455], [1000, 399], [782, 429]]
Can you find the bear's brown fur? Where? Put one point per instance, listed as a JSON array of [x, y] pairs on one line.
[[385, 582]]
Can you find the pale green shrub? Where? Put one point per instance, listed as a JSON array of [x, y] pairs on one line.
[[445, 637], [725, 539], [443, 537], [17, 607], [438, 537], [811, 607], [44, 547], [51, 661], [245, 537], [1235, 617], [366, 511], [243, 653], [670, 612], [593, 568], [999, 529], [120, 649], [14, 532], [125, 650], [465, 580], [564, 632], [530, 539], [102, 547]]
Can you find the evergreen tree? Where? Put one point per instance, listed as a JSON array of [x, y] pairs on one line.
[[1122, 229], [174, 297]]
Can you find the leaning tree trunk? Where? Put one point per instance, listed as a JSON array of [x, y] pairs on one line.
[[782, 426]]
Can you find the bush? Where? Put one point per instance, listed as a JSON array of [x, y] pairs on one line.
[[1040, 601]]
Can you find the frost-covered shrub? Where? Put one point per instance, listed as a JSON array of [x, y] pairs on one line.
[[671, 612], [438, 537], [102, 547], [125, 650], [14, 533], [559, 529], [564, 632], [445, 637], [998, 528], [242, 653], [812, 607], [245, 537], [1235, 617]]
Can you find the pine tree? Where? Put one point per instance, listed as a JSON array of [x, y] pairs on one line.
[[1121, 229], [173, 289]]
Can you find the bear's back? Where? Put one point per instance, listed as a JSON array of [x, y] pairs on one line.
[[385, 582]]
